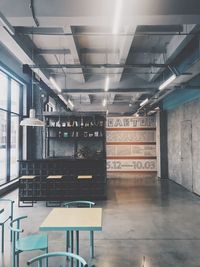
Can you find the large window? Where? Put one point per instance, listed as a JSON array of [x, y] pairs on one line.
[[3, 146], [14, 146], [11, 99]]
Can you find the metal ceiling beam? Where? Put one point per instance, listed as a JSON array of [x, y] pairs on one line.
[[175, 46], [98, 51], [76, 51], [60, 31], [125, 49], [51, 51], [117, 90], [159, 28], [106, 73], [97, 66], [148, 50], [95, 51], [39, 30]]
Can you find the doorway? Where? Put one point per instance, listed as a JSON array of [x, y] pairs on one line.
[[186, 154]]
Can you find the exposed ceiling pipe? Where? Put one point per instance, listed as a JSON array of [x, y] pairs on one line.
[[99, 66], [33, 14], [6, 24], [181, 79], [155, 101], [111, 90]]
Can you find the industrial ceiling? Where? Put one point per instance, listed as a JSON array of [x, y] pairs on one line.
[[103, 55]]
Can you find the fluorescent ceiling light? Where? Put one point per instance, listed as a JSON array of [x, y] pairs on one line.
[[107, 84], [6, 24], [63, 99], [104, 102], [54, 83], [167, 82], [144, 102], [117, 17], [71, 103], [136, 114], [67, 102], [151, 112], [32, 120]]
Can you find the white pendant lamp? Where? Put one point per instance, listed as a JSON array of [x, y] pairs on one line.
[[32, 120]]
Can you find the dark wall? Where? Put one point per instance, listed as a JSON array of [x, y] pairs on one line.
[[11, 64]]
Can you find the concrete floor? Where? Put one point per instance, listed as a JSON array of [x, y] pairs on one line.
[[146, 223]]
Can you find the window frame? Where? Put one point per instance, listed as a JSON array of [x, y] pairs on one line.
[[9, 113]]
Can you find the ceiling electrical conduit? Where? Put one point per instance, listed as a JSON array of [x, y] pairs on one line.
[[96, 66]]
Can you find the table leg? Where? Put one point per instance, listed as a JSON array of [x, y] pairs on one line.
[[71, 246], [77, 247], [67, 241], [91, 244]]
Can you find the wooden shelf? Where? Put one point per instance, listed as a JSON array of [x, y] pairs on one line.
[[80, 138]]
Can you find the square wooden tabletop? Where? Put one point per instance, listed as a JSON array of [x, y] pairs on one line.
[[55, 177], [27, 177], [64, 219]]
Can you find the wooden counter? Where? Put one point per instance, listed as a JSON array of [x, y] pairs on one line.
[[72, 186]]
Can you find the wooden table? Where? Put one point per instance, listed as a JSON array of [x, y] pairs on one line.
[[55, 177], [73, 219]]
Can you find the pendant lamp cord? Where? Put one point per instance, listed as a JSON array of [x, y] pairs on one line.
[[32, 95]]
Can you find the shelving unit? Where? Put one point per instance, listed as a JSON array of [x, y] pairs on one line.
[[83, 155], [78, 133]]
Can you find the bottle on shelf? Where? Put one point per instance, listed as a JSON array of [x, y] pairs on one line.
[[47, 122], [65, 134], [82, 123]]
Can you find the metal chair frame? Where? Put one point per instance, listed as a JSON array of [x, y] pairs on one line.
[[39, 259], [16, 239], [2, 223]]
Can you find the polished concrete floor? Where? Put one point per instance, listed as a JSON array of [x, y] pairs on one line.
[[146, 223]]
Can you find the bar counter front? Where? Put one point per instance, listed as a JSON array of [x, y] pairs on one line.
[[59, 179]]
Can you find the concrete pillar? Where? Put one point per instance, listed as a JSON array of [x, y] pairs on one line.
[[161, 142]]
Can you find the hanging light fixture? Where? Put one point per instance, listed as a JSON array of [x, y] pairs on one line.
[[32, 120]]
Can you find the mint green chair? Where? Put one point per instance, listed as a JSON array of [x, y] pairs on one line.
[[8, 211], [27, 243], [71, 256], [82, 204]]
